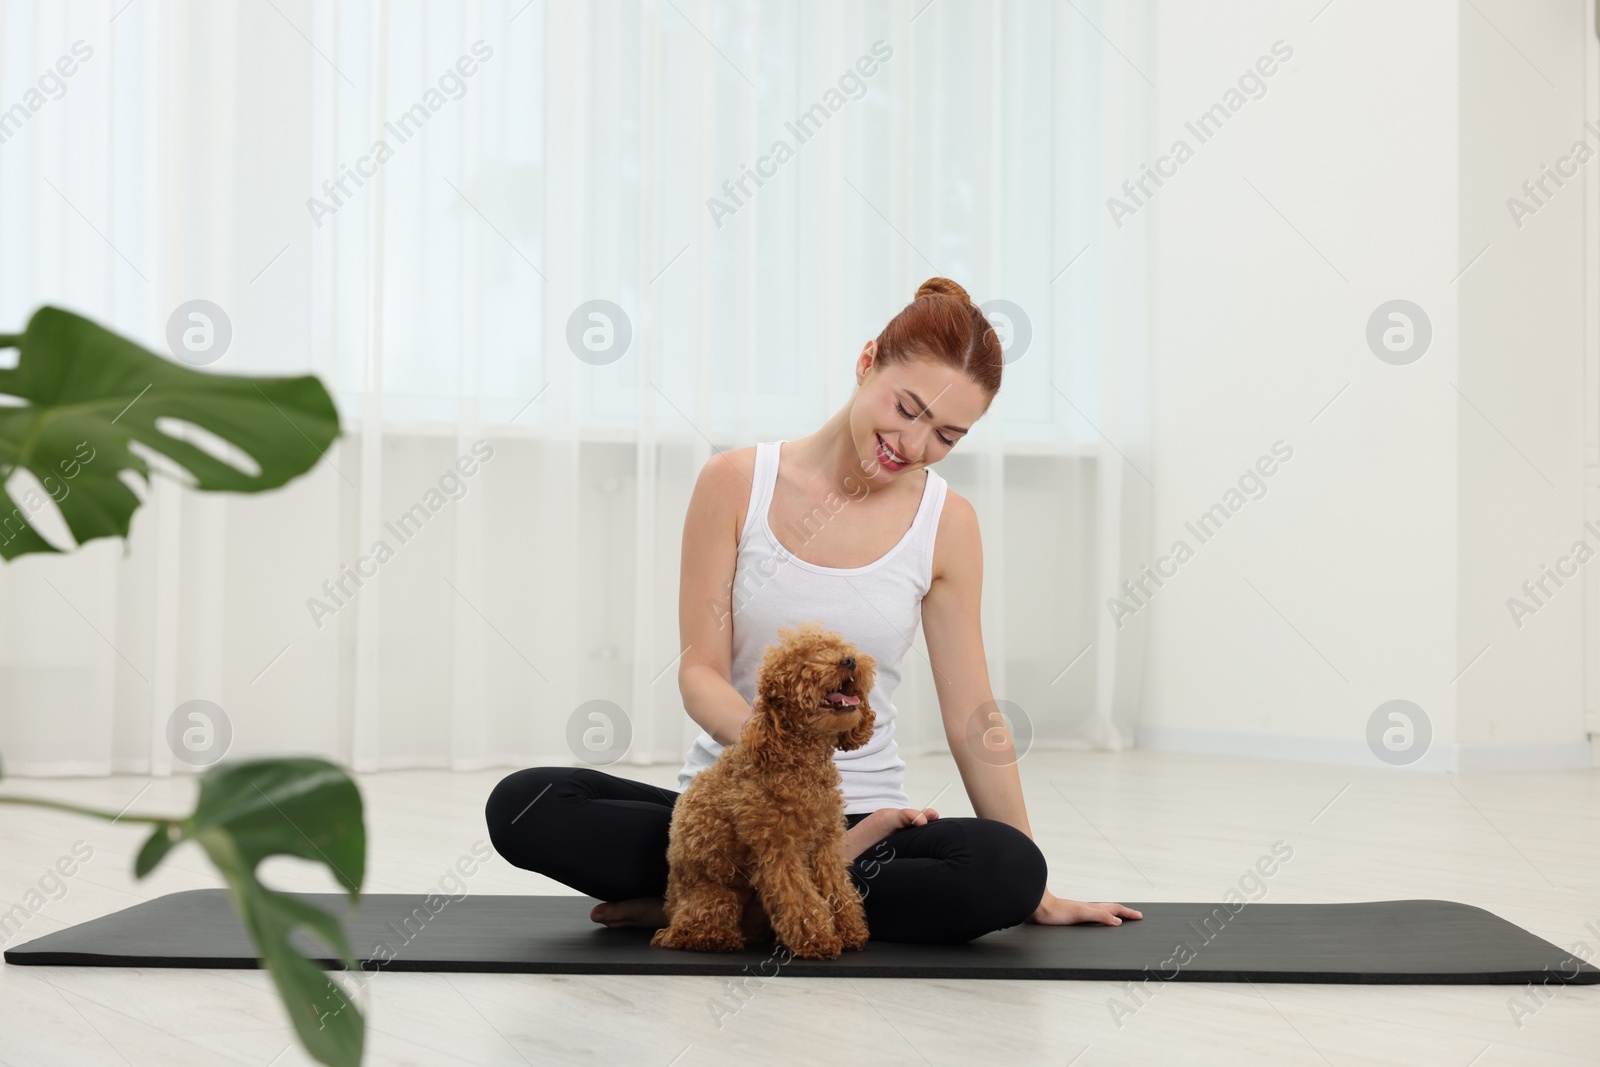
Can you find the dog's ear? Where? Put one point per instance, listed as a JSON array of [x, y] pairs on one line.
[[764, 735], [861, 732], [776, 689], [775, 695]]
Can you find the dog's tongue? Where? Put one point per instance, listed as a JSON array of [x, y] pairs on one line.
[[840, 698]]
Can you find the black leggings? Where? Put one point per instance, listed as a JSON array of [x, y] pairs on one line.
[[949, 881]]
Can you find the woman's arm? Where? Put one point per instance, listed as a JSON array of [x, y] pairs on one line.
[[705, 586], [951, 625], [713, 702]]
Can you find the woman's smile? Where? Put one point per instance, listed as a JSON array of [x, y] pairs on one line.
[[889, 459]]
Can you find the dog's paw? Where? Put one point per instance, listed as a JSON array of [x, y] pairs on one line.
[[697, 940], [852, 934], [823, 947]]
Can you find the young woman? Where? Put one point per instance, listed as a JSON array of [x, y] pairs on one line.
[[850, 526]]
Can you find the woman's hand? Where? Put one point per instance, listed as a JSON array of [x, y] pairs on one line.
[[1059, 911], [886, 821], [892, 819], [879, 825]]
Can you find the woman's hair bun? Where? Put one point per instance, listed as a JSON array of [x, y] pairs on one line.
[[941, 287], [951, 331]]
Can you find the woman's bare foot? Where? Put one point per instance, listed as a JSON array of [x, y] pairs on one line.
[[650, 912]]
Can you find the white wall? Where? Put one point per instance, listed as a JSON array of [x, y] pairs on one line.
[[1522, 357], [1377, 564]]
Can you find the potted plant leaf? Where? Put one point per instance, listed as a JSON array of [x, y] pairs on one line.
[[71, 407]]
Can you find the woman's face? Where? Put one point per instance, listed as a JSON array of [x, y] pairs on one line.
[[919, 410]]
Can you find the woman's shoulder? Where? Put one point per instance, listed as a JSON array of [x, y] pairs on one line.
[[956, 540], [956, 512], [729, 469], [727, 477]]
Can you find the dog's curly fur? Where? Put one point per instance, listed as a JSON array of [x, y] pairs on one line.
[[768, 817]]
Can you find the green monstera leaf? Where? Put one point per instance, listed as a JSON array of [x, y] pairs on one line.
[[246, 812], [284, 807], [88, 393]]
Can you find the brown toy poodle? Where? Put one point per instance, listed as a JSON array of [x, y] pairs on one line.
[[767, 817]]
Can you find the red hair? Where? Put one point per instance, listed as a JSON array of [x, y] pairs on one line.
[[942, 323]]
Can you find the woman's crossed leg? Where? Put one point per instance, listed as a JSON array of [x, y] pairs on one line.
[[946, 882]]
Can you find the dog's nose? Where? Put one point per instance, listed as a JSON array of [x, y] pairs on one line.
[[848, 663]]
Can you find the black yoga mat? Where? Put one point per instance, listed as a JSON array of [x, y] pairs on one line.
[[1384, 941]]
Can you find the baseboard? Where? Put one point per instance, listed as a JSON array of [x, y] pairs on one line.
[[1536, 756], [1550, 755], [72, 769]]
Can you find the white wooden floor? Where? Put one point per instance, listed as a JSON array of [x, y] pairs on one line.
[[1129, 827]]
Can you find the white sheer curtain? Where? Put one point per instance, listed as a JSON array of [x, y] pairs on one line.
[[539, 156]]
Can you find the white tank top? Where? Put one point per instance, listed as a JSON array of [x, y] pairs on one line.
[[876, 607]]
